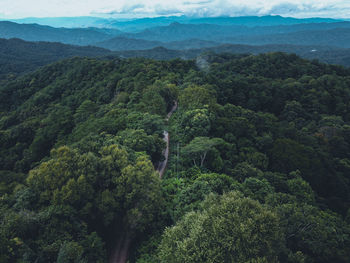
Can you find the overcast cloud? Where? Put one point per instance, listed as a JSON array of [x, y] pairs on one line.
[[138, 8]]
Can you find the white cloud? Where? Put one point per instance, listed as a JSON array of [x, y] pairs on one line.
[[297, 8]]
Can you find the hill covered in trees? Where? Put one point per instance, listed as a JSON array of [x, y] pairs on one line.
[[330, 55], [258, 168], [123, 43], [18, 56]]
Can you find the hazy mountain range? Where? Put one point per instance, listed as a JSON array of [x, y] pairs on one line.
[[132, 25], [325, 54], [335, 34], [18, 56], [168, 37], [35, 32]]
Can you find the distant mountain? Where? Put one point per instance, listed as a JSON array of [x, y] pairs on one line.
[[329, 55], [123, 43], [259, 30], [250, 21], [220, 33], [253, 21], [34, 32], [329, 34], [181, 36], [18, 56], [136, 25], [178, 32], [129, 25], [68, 22], [190, 44], [338, 37]]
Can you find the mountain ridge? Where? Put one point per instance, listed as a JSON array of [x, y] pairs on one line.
[[138, 24], [35, 32], [18, 56]]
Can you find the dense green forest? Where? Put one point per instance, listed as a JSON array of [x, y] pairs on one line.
[[258, 168]]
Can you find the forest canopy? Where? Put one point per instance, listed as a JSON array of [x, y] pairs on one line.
[[258, 166]]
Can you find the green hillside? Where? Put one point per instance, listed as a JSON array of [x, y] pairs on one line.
[[18, 56]]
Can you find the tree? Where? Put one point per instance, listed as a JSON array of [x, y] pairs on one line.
[[199, 148], [195, 97], [321, 235], [139, 141], [288, 155], [194, 123], [76, 194], [190, 197], [230, 228], [85, 110]]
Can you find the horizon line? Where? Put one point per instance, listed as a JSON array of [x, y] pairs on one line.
[[169, 16]]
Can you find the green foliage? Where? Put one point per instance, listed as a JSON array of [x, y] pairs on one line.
[[321, 235], [199, 147], [273, 127], [76, 193], [228, 229], [139, 141], [195, 123], [196, 97]]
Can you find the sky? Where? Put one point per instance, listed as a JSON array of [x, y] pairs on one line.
[[151, 8]]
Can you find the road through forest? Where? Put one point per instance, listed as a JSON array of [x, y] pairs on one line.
[[120, 252], [162, 165]]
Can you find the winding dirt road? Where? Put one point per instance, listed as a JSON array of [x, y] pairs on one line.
[[120, 252], [162, 165]]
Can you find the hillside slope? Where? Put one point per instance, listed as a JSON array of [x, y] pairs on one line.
[[258, 167], [18, 56], [123, 44], [331, 55], [244, 34]]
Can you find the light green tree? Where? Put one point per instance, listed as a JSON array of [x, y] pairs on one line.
[[199, 147], [230, 228]]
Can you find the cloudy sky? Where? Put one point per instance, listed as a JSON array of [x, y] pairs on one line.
[[142, 8]]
